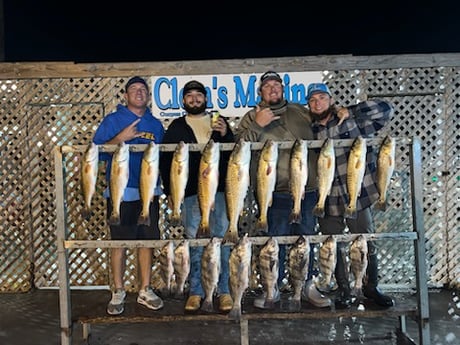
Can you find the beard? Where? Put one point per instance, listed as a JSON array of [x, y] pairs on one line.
[[195, 110], [321, 116], [275, 101]]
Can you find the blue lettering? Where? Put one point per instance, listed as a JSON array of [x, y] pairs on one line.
[[222, 97], [245, 98], [287, 81], [160, 82], [298, 94], [175, 102]]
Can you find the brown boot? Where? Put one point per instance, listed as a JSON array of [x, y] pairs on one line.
[[193, 303], [225, 303]]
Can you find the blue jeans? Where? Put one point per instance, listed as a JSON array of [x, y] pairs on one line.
[[278, 225], [218, 223]]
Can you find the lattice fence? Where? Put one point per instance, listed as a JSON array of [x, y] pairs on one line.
[[38, 114]]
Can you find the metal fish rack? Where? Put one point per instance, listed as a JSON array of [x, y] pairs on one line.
[[420, 312]]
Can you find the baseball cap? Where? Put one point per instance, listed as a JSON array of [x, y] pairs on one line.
[[194, 85], [270, 75], [317, 87], [134, 80]]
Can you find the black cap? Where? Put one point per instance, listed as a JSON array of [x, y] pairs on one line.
[[270, 75], [194, 85], [136, 79]]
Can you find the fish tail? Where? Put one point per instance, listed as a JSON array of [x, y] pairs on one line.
[[86, 213], [179, 294], [114, 219], [207, 306], [269, 304], [231, 235], [295, 217], [350, 212], [203, 231], [175, 219], [235, 313], [294, 305], [262, 224], [381, 205], [318, 211], [144, 219], [166, 292], [357, 292]]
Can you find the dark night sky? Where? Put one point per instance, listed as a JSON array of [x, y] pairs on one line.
[[87, 31]]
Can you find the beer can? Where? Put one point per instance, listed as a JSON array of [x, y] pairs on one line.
[[214, 117]]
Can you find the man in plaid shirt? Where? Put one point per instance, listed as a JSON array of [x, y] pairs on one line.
[[363, 119]]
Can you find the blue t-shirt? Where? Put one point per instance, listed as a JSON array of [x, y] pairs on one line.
[[152, 130]]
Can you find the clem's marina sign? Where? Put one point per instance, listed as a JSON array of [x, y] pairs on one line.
[[231, 94]]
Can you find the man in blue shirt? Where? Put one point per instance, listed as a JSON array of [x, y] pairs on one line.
[[131, 124]]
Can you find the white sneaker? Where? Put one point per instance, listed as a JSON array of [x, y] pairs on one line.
[[260, 302], [116, 304], [311, 294], [149, 299]]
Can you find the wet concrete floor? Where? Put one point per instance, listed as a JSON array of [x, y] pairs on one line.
[[33, 318]]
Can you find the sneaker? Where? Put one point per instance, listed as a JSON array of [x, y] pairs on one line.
[[311, 294], [225, 302], [193, 303], [149, 299], [116, 305], [262, 303]]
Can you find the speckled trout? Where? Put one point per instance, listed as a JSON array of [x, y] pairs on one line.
[[356, 167], [266, 180], [298, 177], [118, 180], [148, 180], [385, 169], [236, 186], [88, 176], [326, 171], [178, 177], [208, 180]]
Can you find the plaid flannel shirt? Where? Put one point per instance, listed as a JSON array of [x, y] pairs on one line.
[[365, 119]]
